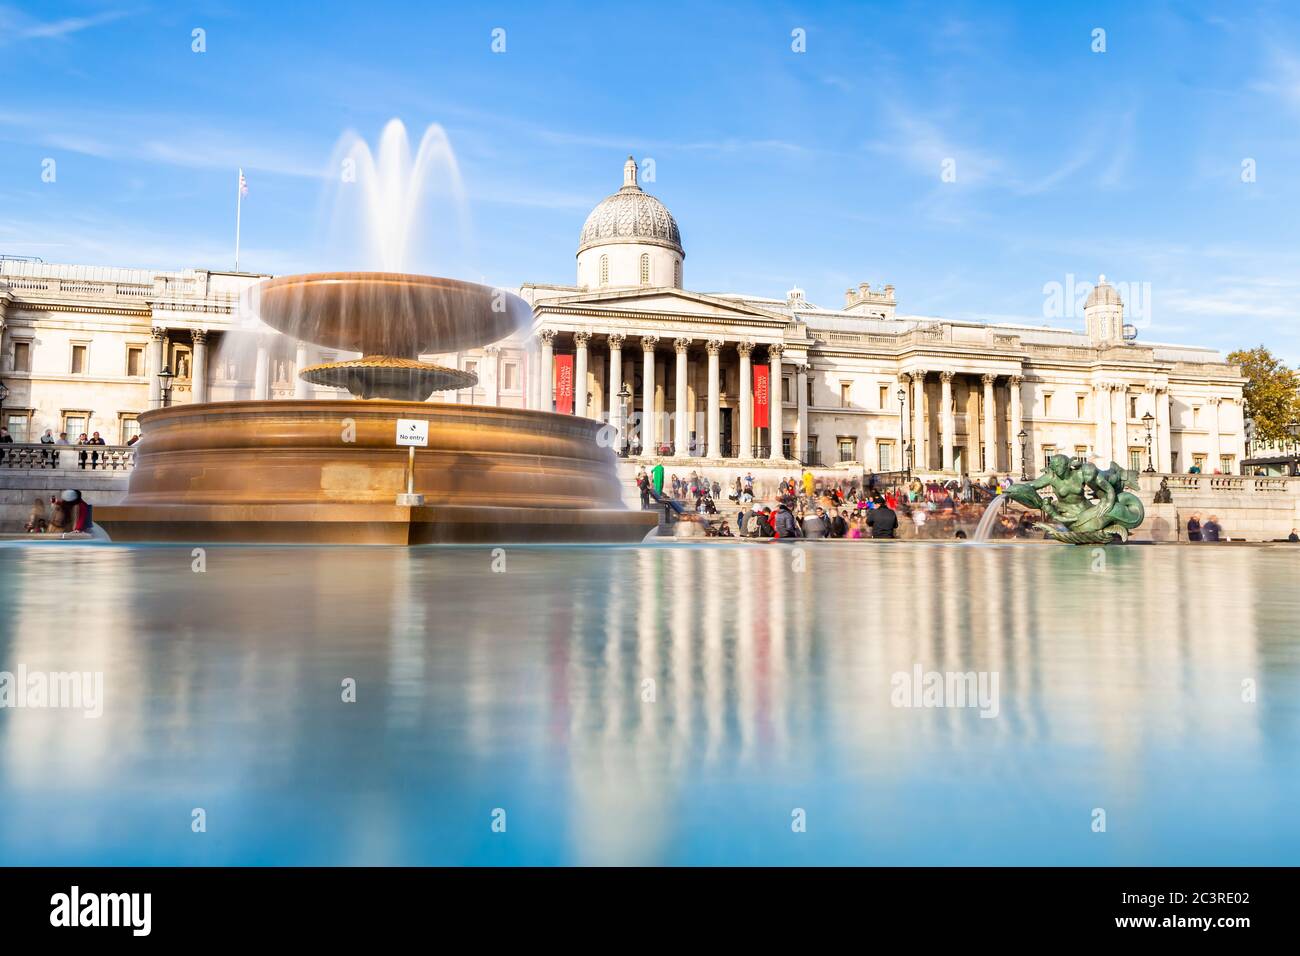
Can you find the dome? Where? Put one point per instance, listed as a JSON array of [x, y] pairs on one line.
[[1103, 293], [631, 215]]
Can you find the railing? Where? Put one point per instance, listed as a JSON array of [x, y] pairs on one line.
[[1226, 484], [35, 457]]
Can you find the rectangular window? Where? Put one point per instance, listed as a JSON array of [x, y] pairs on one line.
[[1081, 452], [884, 397], [1080, 404], [1048, 452], [787, 441], [129, 428], [471, 366], [75, 423], [509, 376], [1198, 462], [844, 399], [134, 361], [22, 356], [787, 390], [1047, 404], [848, 449], [1225, 462], [18, 424], [1136, 459], [885, 455], [1196, 416], [1132, 407], [79, 359]]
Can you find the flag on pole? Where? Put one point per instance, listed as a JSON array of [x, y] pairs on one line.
[[243, 184]]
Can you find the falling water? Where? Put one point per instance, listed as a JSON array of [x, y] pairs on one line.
[[386, 209], [984, 530], [380, 202]]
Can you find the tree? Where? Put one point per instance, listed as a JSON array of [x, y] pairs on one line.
[[1272, 392]]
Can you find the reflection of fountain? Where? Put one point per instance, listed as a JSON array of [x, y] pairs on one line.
[[331, 471]]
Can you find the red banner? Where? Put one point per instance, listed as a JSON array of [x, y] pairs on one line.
[[760, 396], [564, 384]]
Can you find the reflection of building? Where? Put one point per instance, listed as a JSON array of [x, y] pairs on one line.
[[859, 385]]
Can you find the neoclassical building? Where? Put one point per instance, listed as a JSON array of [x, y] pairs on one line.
[[710, 380]]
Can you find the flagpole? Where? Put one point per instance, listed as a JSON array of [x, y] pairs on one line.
[[239, 201]]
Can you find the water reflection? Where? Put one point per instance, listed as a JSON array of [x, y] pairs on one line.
[[666, 704]]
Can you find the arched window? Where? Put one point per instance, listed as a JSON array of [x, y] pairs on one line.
[[645, 268], [677, 274], [604, 270]]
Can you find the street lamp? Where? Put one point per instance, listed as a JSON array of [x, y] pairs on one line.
[[1147, 420], [625, 403], [165, 377], [902, 421], [1023, 436]]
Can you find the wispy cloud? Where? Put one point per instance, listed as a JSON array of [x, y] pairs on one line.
[[16, 25]]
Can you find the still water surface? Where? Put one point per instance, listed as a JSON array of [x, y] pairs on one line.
[[666, 704]]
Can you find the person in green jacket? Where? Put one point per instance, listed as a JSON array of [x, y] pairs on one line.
[[657, 477]]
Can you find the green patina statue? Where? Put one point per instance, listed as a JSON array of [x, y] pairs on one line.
[[1070, 514]]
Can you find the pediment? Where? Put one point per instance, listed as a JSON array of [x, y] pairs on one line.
[[662, 301]]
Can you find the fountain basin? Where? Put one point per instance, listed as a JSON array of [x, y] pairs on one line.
[[330, 472], [389, 313]]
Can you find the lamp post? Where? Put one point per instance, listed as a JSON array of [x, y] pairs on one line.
[[625, 403], [1024, 461], [902, 422], [1147, 420], [165, 377]]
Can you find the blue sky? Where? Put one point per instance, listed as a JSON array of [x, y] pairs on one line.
[[821, 168]]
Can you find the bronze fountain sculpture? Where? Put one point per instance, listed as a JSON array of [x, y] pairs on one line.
[[1087, 505]]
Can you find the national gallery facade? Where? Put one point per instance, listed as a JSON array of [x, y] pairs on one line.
[[709, 380]]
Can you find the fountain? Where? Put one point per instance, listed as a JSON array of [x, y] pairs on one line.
[[331, 471]]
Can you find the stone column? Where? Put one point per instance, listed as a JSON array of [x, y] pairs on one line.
[[546, 374], [1017, 425], [920, 456], [648, 437], [989, 414], [301, 387], [1216, 447], [801, 418], [1164, 450], [199, 373], [1101, 402], [713, 347], [580, 340], [616, 340], [262, 374], [946, 422], [774, 389], [744, 349], [1119, 422], [156, 337], [492, 359], [905, 383], [681, 415]]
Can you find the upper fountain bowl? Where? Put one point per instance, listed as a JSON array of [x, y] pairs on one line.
[[389, 313]]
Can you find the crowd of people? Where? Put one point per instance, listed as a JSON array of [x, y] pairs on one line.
[[812, 507], [66, 512]]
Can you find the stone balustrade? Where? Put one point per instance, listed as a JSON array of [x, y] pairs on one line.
[[110, 459]]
